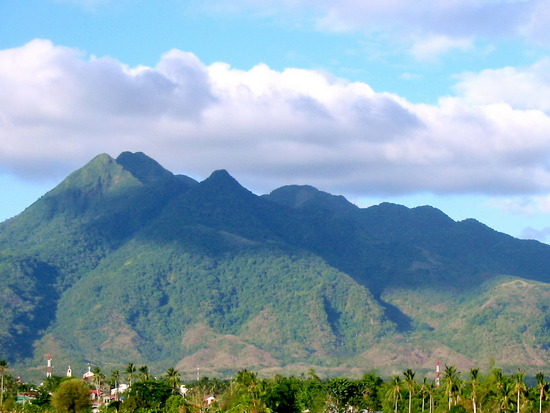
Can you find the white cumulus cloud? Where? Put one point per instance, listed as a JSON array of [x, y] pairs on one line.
[[522, 88], [59, 108]]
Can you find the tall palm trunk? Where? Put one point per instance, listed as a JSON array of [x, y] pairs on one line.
[[541, 385], [474, 374], [3, 366], [409, 377], [2, 394], [519, 385]]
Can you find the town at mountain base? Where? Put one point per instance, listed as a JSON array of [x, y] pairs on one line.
[[134, 390], [126, 262]]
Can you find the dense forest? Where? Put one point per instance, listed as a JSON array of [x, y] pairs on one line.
[[126, 261], [143, 392]]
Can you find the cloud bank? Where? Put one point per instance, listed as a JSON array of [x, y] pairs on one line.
[[434, 26], [59, 108]]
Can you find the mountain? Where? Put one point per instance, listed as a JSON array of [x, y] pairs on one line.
[[126, 262]]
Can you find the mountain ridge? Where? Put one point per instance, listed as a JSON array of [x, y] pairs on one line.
[[141, 263]]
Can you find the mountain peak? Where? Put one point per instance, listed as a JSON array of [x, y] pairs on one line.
[[304, 196], [221, 174], [101, 173], [101, 159], [143, 167], [221, 179]]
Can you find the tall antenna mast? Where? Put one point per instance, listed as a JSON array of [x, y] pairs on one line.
[[48, 365]]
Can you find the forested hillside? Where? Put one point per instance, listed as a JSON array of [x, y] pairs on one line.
[[126, 262]]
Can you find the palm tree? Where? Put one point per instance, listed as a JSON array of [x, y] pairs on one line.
[[3, 367], [505, 391], [115, 379], [424, 392], [409, 378], [98, 378], [431, 388], [173, 377], [130, 373], [450, 378], [143, 373], [394, 392], [519, 387], [499, 378], [474, 373], [250, 392], [502, 388], [541, 386]]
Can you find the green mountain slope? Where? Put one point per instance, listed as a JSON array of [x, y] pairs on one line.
[[290, 306], [504, 319], [126, 262], [67, 232]]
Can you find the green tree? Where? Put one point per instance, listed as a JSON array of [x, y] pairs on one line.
[[130, 373], [43, 397], [431, 389], [281, 395], [501, 389], [72, 396], [450, 379], [3, 367], [175, 404], [147, 394], [370, 385], [344, 394], [541, 387], [173, 378], [312, 394], [143, 373], [394, 392], [474, 381], [51, 384], [411, 384], [519, 387], [114, 381], [424, 391], [248, 393], [98, 379], [506, 390]]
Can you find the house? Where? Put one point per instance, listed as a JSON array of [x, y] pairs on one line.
[[27, 397], [99, 398], [116, 392]]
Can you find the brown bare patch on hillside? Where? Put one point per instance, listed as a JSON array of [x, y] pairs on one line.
[[120, 336], [225, 352]]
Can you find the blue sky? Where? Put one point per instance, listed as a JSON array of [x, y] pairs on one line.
[[439, 102]]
